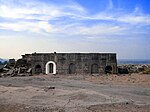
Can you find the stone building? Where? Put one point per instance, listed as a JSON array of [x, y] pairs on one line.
[[71, 63]]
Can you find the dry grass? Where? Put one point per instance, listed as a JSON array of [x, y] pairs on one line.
[[147, 71], [134, 79]]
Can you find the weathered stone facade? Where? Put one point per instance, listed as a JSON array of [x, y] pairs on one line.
[[72, 63]]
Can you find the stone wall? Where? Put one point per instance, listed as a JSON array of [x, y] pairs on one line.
[[74, 63]]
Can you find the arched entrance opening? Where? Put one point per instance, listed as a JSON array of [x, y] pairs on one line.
[[108, 69], [38, 69], [50, 67], [94, 69], [72, 68]]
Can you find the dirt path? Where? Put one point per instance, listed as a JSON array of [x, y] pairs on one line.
[[71, 94]]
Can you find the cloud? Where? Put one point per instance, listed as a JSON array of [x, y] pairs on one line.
[[37, 10], [135, 19], [70, 19], [27, 26], [66, 26], [36, 16], [96, 30]]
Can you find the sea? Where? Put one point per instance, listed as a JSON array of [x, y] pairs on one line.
[[133, 61]]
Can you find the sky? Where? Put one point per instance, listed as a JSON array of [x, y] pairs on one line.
[[115, 26]]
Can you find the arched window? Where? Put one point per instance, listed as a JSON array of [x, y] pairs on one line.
[[50, 67], [108, 69], [38, 69], [72, 68], [94, 69]]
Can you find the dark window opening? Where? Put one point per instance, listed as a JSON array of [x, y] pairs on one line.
[[51, 68], [94, 69], [38, 69], [72, 68], [108, 69]]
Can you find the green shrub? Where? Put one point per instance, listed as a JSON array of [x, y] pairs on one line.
[[146, 71]]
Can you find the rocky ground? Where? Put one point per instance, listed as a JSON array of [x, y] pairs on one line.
[[126, 79], [93, 108], [60, 93]]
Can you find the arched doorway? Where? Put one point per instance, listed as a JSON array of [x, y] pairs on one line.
[[72, 68], [108, 69], [94, 69], [38, 69], [50, 67]]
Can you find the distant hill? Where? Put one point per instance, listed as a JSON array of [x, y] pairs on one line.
[[133, 61]]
